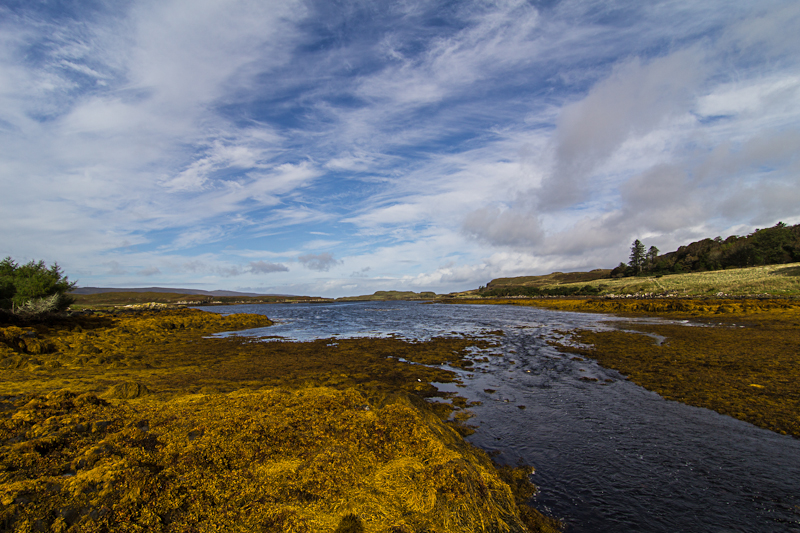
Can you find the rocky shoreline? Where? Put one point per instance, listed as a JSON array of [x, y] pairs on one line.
[[138, 420]]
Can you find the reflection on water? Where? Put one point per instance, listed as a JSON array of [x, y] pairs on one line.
[[609, 455]]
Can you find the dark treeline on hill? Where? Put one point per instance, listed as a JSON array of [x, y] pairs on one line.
[[770, 246], [776, 245], [516, 290]]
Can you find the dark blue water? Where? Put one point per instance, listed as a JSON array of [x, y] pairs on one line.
[[609, 455]]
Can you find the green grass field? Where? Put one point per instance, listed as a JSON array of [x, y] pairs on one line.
[[774, 280]]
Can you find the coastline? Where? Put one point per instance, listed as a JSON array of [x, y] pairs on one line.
[[140, 419]]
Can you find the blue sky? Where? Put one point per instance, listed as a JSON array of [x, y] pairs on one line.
[[339, 148]]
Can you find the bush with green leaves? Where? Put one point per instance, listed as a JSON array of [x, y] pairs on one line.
[[33, 288]]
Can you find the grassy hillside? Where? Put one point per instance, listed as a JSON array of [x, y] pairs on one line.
[[775, 280], [549, 280]]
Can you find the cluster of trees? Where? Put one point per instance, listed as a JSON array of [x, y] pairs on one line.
[[33, 288], [517, 290], [776, 245]]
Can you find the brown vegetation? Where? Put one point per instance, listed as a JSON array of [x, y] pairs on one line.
[[139, 421], [112, 299]]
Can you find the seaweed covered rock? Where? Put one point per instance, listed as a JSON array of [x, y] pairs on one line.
[[311, 460], [163, 448], [127, 390]]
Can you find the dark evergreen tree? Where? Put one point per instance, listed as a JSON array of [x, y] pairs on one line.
[[638, 256], [652, 255]]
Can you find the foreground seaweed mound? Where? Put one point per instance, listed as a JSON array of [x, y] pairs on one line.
[[143, 421], [306, 460]]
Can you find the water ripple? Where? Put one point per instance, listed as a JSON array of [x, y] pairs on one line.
[[609, 455]]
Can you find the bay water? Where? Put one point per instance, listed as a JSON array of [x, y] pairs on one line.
[[609, 455]]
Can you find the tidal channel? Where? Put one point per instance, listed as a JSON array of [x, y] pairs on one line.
[[609, 455]]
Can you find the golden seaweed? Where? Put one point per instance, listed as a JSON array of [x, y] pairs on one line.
[[141, 422]]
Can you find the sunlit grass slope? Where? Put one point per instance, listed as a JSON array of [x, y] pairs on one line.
[[774, 280]]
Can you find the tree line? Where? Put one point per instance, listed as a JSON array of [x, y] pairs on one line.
[[522, 290], [776, 245]]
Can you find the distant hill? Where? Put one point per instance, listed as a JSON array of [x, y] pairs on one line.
[[555, 278], [554, 284], [101, 290], [122, 298], [390, 295]]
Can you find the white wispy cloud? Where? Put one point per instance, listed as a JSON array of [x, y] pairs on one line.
[[222, 140]]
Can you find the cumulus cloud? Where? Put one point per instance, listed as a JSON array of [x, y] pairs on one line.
[[636, 98], [443, 145], [228, 271], [115, 268], [319, 262], [264, 267], [508, 227]]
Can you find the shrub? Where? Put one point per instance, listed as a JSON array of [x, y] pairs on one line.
[[33, 288]]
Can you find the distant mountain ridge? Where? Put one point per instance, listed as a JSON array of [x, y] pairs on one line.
[[101, 290]]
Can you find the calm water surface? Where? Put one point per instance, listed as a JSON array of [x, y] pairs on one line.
[[609, 455]]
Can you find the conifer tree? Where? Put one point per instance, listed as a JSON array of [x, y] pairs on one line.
[[637, 256]]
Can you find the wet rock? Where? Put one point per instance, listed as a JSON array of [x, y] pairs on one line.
[[24, 416], [100, 425], [350, 524], [60, 396], [89, 349], [127, 390], [14, 362], [88, 399]]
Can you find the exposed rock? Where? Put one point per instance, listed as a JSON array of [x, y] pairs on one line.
[[127, 390]]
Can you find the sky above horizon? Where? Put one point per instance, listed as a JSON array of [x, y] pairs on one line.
[[337, 148]]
